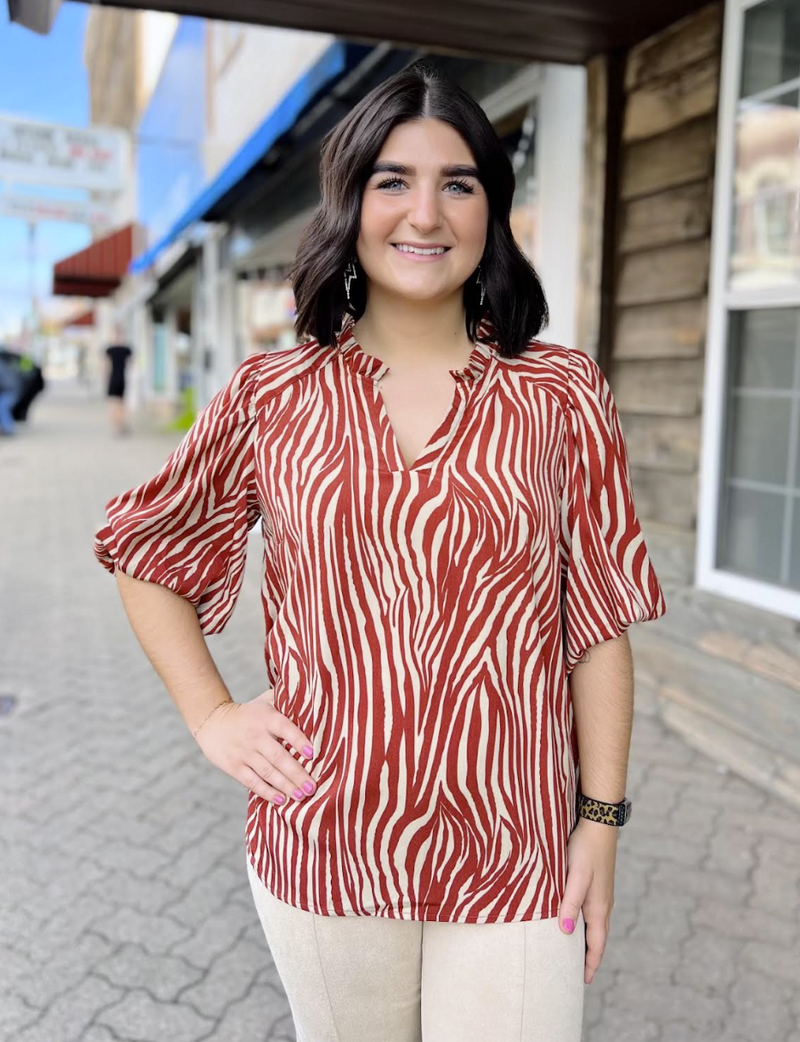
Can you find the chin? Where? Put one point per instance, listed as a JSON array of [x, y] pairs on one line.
[[422, 296], [424, 289]]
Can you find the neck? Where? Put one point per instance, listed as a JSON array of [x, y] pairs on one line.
[[396, 329]]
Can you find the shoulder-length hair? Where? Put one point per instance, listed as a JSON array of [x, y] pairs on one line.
[[514, 303]]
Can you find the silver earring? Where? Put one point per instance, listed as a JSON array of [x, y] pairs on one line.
[[480, 283], [349, 274]]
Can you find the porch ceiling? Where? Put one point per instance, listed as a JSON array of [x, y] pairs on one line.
[[569, 31]]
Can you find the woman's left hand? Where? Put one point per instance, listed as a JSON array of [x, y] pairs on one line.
[[592, 858]]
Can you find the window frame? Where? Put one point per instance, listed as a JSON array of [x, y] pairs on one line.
[[722, 301]]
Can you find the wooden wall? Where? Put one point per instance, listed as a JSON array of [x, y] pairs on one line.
[[723, 674], [661, 268]]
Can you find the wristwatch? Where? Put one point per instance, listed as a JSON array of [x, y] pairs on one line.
[[606, 813]]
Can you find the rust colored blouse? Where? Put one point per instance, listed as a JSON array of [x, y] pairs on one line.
[[421, 621]]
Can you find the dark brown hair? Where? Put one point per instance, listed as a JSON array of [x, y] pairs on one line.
[[514, 300]]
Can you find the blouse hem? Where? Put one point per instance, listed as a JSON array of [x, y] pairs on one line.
[[487, 918]]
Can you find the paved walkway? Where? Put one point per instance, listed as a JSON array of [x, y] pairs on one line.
[[125, 911]]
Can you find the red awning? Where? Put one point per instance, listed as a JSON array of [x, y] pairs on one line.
[[97, 270]]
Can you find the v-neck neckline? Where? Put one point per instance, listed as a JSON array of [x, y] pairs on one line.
[[466, 380]]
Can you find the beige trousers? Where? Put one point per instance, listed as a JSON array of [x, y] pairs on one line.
[[371, 979]]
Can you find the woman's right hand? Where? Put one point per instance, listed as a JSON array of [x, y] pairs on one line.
[[242, 739]]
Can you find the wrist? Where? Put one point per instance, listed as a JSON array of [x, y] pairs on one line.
[[596, 835], [597, 827], [204, 719]]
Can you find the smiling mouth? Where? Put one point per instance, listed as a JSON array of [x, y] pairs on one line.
[[420, 251]]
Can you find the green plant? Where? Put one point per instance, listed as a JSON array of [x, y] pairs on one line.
[[187, 414]]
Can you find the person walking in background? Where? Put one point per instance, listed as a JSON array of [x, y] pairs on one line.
[[450, 534], [118, 355]]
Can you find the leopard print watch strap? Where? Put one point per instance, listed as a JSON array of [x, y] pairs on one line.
[[606, 813]]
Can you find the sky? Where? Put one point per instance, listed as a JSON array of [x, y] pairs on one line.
[[44, 78]]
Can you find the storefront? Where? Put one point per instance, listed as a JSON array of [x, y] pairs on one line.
[[174, 357]]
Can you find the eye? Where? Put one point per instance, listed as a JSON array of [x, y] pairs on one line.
[[465, 187], [468, 189], [390, 181]]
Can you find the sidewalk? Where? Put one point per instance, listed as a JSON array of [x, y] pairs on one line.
[[125, 909]]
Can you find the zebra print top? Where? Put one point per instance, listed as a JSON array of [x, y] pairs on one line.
[[422, 620]]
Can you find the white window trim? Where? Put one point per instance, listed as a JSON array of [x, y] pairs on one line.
[[720, 300]]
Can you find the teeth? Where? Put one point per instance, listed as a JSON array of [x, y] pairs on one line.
[[416, 249]]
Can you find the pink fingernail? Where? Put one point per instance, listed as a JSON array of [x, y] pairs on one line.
[[278, 799], [309, 787], [308, 751], [298, 795], [569, 925]]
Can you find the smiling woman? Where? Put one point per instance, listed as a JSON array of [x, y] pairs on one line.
[[417, 163], [448, 525]]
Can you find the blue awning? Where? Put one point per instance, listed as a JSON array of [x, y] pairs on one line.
[[337, 60]]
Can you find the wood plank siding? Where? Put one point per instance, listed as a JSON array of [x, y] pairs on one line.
[[662, 242]]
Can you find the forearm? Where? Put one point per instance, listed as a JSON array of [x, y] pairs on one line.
[[168, 630], [601, 685]]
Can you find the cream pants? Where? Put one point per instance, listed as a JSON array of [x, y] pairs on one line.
[[372, 979]]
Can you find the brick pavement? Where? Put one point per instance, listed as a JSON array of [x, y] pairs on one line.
[[125, 910]]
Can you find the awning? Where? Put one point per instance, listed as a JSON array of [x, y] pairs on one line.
[[275, 248], [174, 261], [97, 270], [528, 30], [174, 276], [337, 60]]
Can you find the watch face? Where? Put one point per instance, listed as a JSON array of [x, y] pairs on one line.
[[625, 812]]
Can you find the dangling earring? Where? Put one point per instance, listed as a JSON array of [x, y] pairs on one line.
[[480, 283], [350, 273]]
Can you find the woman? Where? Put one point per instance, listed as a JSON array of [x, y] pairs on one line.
[[449, 527], [117, 355]]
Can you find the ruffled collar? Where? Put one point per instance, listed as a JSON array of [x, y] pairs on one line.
[[369, 365]]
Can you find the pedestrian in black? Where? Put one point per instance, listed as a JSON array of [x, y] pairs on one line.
[[118, 355]]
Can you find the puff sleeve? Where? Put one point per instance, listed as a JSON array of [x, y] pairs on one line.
[[608, 581], [186, 527]]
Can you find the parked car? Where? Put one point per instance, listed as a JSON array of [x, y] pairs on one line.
[[22, 373]]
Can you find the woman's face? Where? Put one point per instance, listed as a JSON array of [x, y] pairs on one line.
[[423, 190]]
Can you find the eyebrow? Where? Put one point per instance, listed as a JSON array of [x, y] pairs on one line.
[[458, 170]]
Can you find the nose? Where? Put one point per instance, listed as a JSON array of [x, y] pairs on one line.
[[424, 208]]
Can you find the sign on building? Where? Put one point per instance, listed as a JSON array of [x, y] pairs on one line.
[[76, 157], [33, 209]]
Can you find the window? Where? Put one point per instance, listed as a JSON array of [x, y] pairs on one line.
[[749, 511], [510, 97], [518, 134], [766, 241], [759, 532]]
